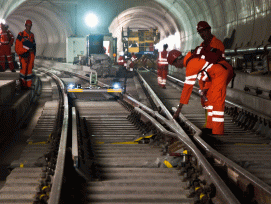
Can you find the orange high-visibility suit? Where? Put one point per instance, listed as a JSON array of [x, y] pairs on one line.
[[162, 68], [218, 75], [134, 57], [25, 47], [121, 61], [6, 41], [214, 43], [213, 116]]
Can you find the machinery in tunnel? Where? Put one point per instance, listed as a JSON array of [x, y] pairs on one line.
[[139, 40], [243, 26], [97, 51]]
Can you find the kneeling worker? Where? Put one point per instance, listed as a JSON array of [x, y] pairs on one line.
[[203, 64]]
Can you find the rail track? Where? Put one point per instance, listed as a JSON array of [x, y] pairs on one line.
[[242, 155], [122, 151], [111, 142], [30, 175]]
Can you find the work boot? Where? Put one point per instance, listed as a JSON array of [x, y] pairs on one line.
[[206, 131], [24, 88]]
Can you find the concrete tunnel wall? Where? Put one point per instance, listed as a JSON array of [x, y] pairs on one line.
[[54, 21]]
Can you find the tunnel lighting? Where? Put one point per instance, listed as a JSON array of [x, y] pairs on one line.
[[116, 85], [71, 86], [173, 42], [91, 20], [2, 21]]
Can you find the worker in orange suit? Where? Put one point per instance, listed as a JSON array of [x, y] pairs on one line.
[[204, 30], [6, 41], [162, 67], [209, 40], [134, 57], [203, 64], [121, 61], [25, 47]]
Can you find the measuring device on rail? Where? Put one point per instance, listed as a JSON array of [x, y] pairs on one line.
[[93, 81]]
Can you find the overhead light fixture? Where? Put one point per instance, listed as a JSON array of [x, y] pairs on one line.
[[91, 20], [2, 21]]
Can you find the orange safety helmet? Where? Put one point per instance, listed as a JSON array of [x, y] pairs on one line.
[[28, 22], [173, 55], [202, 25]]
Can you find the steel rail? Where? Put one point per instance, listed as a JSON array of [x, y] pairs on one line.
[[74, 138], [156, 100], [223, 191], [221, 159], [81, 77], [55, 192]]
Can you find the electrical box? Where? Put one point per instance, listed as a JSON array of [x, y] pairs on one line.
[[75, 47], [93, 78], [95, 44]]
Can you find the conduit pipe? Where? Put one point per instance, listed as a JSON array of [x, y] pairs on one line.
[[238, 51]]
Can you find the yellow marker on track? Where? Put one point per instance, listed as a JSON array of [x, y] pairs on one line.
[[138, 139], [168, 165], [75, 90], [201, 196], [114, 90], [128, 142], [197, 188], [147, 137]]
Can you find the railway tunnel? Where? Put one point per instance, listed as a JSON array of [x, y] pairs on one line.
[[243, 27]]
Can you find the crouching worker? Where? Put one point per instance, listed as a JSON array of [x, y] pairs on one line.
[[206, 65]]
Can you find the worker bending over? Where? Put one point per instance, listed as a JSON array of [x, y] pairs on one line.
[[203, 64]]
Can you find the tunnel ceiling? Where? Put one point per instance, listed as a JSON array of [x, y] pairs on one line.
[[55, 20]]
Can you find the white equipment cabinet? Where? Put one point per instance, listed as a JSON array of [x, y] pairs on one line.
[[75, 46]]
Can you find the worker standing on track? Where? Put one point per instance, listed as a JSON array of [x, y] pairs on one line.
[[134, 57], [6, 41], [131, 63], [209, 41], [162, 67], [203, 64], [25, 47]]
